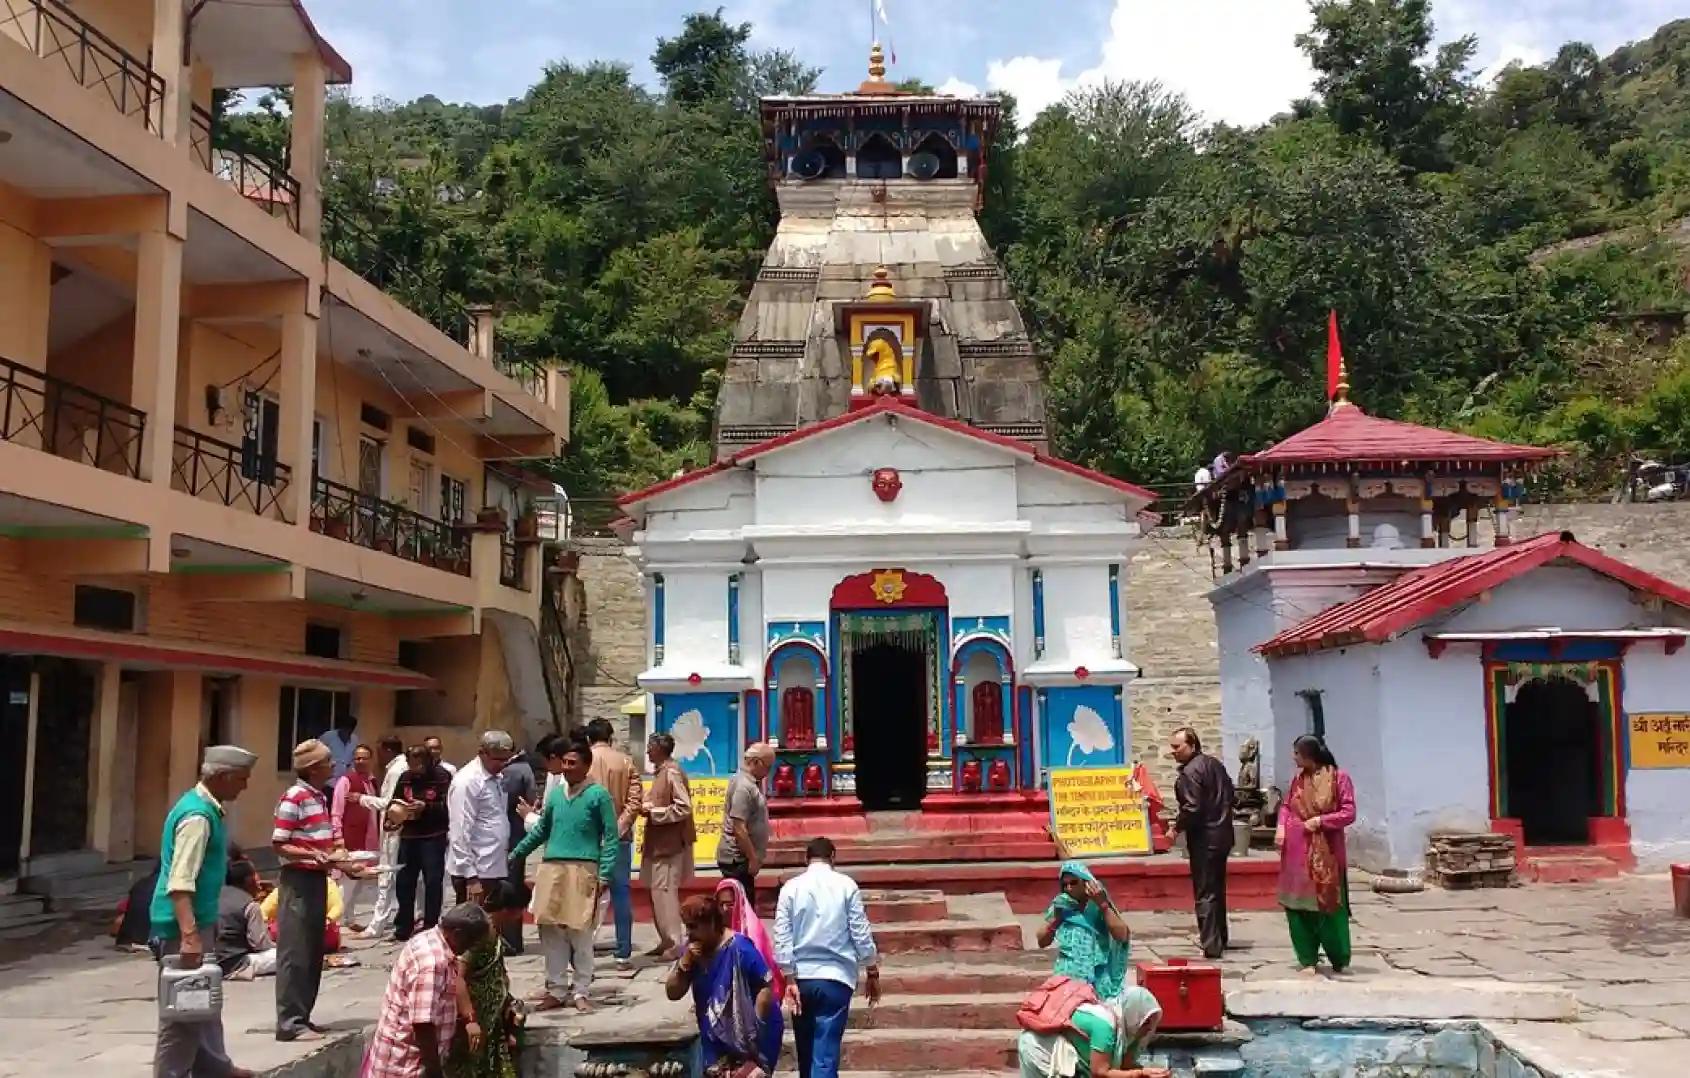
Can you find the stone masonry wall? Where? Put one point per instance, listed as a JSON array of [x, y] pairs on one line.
[[610, 643], [1171, 637]]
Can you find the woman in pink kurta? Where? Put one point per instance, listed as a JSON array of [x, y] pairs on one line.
[[1312, 859], [355, 828]]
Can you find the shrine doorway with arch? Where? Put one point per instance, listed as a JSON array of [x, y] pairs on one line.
[[890, 628]]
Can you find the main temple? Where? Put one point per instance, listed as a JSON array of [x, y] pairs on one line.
[[883, 573]]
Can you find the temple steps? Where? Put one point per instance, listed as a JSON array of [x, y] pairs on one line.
[[902, 848], [917, 1051], [973, 1010]]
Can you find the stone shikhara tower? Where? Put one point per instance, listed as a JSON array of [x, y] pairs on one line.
[[878, 192]]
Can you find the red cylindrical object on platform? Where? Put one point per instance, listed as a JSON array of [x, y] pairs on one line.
[[971, 776], [932, 742], [1681, 890], [1190, 993], [786, 781], [997, 776], [813, 779]]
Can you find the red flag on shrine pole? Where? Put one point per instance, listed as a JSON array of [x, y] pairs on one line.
[[1334, 355]]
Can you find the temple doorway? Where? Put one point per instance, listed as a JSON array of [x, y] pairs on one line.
[[889, 705], [1554, 759]]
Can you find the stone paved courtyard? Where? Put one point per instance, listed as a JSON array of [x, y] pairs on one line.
[[86, 1009]]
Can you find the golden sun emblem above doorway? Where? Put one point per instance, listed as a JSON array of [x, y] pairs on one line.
[[889, 585]]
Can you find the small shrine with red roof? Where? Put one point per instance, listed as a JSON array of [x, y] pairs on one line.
[[1371, 589]]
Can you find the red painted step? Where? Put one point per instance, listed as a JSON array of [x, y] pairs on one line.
[[972, 1010], [1023, 974], [932, 937], [908, 848], [915, 1051], [1567, 868]]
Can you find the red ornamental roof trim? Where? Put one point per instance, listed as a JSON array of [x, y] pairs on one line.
[[886, 406], [1389, 609]]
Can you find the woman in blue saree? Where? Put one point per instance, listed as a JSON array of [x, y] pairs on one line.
[[1092, 939], [739, 1019]]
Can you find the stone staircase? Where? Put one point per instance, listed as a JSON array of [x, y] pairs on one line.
[[954, 970], [25, 915], [80, 882]]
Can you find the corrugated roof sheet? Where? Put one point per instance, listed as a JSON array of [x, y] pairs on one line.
[[1350, 434], [1391, 608]]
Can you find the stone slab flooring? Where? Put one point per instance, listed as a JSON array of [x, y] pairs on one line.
[[85, 1009]]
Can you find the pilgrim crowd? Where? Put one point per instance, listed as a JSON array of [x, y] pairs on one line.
[[367, 839]]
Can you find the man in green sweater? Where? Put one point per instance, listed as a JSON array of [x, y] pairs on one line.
[[193, 863], [577, 826]]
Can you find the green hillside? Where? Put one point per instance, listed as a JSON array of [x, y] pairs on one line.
[[1178, 277]]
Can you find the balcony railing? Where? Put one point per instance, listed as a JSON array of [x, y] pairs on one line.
[[61, 418], [266, 184], [513, 561], [211, 468], [53, 31], [342, 512], [354, 244]]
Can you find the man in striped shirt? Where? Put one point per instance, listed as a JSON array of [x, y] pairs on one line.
[[304, 842]]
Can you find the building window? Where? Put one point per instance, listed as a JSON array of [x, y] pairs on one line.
[[371, 416], [422, 480], [323, 641], [420, 440], [304, 714], [369, 465], [1317, 712], [453, 494], [105, 608]]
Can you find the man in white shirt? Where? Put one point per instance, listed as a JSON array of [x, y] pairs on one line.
[[342, 742], [478, 835], [822, 938], [390, 758], [1202, 478]]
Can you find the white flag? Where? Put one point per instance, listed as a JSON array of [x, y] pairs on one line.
[[880, 10]]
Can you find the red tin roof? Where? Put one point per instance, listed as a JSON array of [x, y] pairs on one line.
[[1350, 435], [887, 406], [1391, 608]]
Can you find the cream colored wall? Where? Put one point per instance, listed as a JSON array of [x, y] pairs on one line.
[[26, 267], [341, 394], [127, 22], [101, 361]]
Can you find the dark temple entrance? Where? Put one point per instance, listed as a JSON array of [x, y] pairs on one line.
[[1555, 755], [889, 708]]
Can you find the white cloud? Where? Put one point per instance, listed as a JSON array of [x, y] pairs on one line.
[[1235, 60], [1526, 55], [955, 87]]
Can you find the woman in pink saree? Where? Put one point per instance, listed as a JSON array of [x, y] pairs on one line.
[[1312, 858], [742, 918]]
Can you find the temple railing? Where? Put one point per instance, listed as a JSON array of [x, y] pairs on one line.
[[265, 183], [219, 471], [345, 513], [59, 417], [51, 30]]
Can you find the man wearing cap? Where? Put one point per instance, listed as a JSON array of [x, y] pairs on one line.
[[193, 860], [303, 839]]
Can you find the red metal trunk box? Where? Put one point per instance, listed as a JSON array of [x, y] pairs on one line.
[[1190, 994]]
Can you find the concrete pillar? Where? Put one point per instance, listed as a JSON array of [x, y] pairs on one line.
[[298, 410], [1428, 534], [26, 282], [187, 705], [252, 725], [167, 59], [108, 689], [1353, 508], [1281, 535], [310, 86], [1472, 525], [152, 386]]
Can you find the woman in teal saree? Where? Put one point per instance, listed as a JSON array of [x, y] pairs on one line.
[[1092, 939]]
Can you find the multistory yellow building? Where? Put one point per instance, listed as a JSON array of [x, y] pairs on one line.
[[242, 489]]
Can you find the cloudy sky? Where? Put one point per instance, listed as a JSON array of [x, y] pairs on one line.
[[1234, 59]]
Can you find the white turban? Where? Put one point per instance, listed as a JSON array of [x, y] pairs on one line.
[[228, 758]]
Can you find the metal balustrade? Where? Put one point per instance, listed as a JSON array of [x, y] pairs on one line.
[[513, 560], [345, 513], [61, 418], [265, 183], [51, 30], [211, 468]]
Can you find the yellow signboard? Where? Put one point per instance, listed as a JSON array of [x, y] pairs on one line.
[[1660, 739], [709, 802], [1093, 811]]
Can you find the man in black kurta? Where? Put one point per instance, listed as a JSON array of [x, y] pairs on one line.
[[1204, 792]]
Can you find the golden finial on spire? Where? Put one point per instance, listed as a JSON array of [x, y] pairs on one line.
[[880, 289], [1341, 398], [876, 63]]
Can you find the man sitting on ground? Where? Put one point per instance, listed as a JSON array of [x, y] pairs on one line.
[[244, 947]]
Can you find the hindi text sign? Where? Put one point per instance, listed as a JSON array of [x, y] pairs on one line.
[[1093, 811], [1659, 739]]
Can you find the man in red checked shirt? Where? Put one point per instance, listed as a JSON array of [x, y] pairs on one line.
[[304, 841]]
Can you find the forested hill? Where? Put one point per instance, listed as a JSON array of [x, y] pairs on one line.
[[1178, 276]]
